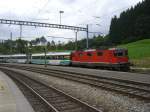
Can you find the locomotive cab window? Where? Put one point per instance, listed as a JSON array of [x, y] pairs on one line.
[[119, 53]]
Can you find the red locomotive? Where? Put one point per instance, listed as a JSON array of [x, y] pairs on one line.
[[114, 58]]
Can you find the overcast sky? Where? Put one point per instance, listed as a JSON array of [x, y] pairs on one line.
[[76, 12]]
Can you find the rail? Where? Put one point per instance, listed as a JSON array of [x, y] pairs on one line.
[[57, 100]]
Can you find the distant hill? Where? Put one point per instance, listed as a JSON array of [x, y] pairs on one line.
[[139, 52]]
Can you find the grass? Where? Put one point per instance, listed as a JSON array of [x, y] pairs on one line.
[[139, 52]]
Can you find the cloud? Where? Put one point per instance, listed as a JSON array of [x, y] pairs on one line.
[[76, 12]]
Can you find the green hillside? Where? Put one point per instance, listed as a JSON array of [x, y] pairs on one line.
[[139, 52]]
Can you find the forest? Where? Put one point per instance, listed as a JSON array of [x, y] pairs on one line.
[[132, 25]]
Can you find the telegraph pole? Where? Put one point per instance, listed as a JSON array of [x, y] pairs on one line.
[[11, 42], [60, 12], [87, 40], [20, 31], [76, 45], [45, 58]]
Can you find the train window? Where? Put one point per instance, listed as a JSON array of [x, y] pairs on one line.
[[60, 57], [89, 54], [118, 54], [99, 53], [22, 57], [63, 57], [54, 57], [42, 57], [36, 57], [67, 57], [49, 57]]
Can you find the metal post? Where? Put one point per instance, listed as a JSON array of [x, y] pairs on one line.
[[76, 45], [60, 18], [87, 40], [20, 31], [11, 42], [45, 56], [28, 54], [60, 12]]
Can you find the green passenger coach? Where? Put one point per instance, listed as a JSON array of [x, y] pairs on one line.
[[52, 58]]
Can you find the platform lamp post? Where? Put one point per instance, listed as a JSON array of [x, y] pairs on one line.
[[76, 36], [87, 40], [45, 57], [60, 12], [28, 54], [20, 31], [11, 46]]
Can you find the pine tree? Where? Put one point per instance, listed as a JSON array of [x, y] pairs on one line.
[[133, 24]]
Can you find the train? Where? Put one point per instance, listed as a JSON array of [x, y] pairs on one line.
[[113, 58], [51, 58]]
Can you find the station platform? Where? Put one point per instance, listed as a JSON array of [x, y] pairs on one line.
[[11, 98]]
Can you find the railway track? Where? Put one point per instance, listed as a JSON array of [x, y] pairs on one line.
[[133, 89], [46, 98]]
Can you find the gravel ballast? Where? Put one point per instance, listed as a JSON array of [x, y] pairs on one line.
[[105, 100]]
